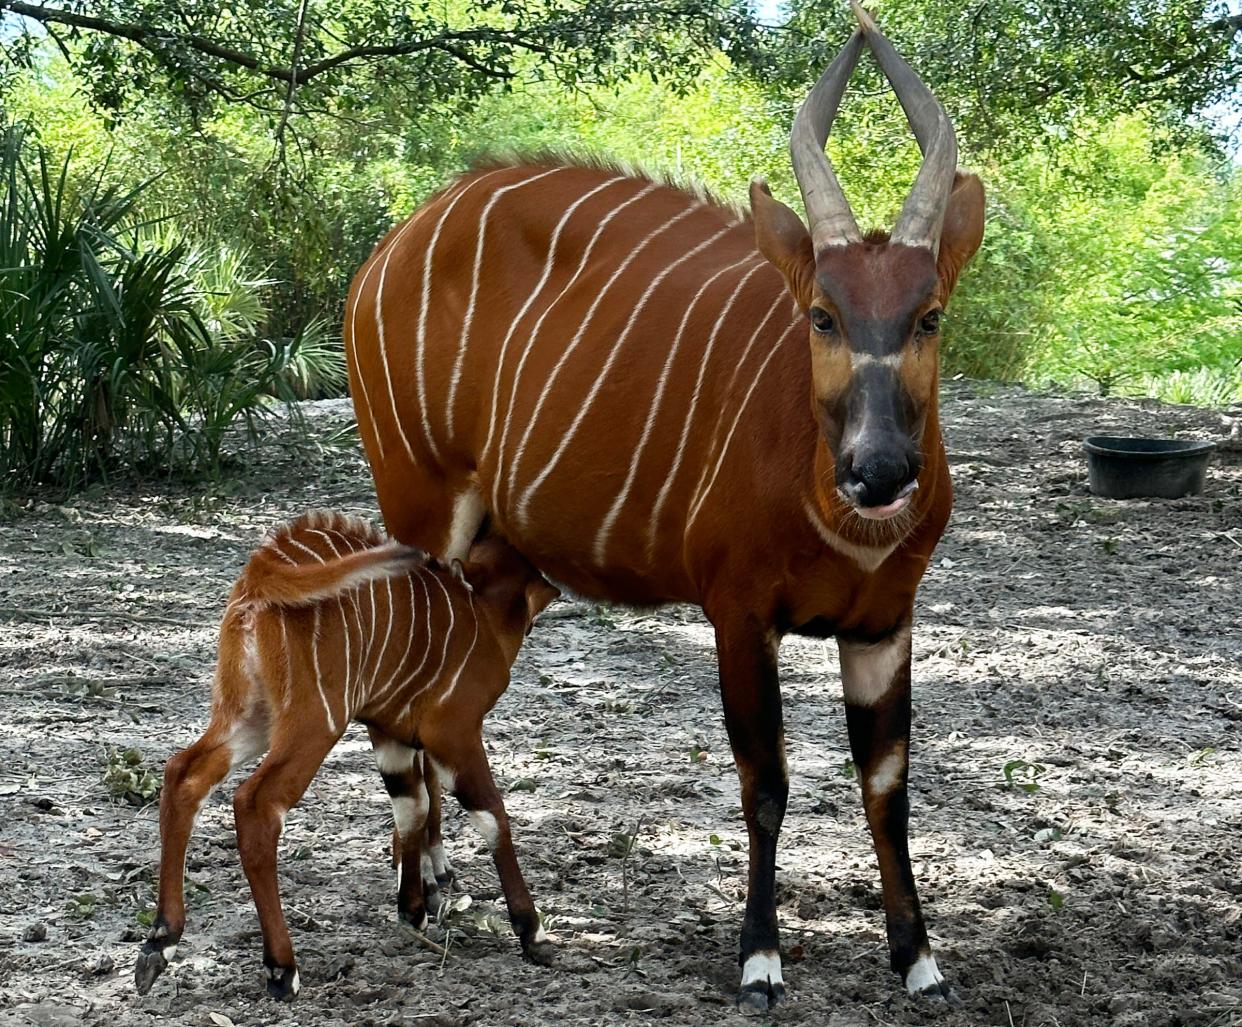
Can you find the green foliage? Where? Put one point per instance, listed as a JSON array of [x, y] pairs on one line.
[[1111, 259], [1010, 70], [122, 346], [288, 58]]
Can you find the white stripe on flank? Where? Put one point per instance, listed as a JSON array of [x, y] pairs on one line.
[[868, 558], [363, 678], [274, 546], [610, 519], [465, 659], [727, 392], [519, 512], [724, 449], [352, 341], [548, 264], [704, 361], [340, 605], [284, 644], [534, 333], [602, 376], [421, 336], [383, 355], [318, 676], [450, 403]]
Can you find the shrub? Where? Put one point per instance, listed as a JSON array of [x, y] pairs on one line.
[[120, 347]]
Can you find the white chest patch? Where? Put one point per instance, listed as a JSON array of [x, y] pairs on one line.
[[868, 558]]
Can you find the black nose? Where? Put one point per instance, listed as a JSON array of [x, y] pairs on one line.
[[875, 478]]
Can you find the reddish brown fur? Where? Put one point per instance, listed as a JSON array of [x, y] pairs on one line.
[[726, 499], [331, 622]]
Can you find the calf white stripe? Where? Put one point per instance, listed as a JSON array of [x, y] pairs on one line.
[[284, 642], [543, 280], [391, 683], [379, 662], [318, 676], [651, 236], [421, 336], [534, 333], [602, 376], [465, 659], [448, 637], [724, 449], [455, 378], [610, 518], [705, 360]]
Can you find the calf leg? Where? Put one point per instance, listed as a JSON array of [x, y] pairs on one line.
[[440, 865], [751, 694], [401, 767], [259, 808], [876, 680], [466, 772], [188, 778]]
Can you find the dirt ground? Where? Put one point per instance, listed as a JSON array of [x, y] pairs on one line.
[[1077, 821]]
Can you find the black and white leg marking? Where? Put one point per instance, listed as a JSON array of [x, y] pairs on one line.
[[875, 677], [750, 691]]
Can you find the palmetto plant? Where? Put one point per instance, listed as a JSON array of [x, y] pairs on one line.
[[120, 346]]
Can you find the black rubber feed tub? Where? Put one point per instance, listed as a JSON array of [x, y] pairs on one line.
[[1129, 468]]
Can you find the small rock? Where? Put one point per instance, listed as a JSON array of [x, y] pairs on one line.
[[105, 964], [35, 932]]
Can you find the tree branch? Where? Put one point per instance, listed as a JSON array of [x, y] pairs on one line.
[[157, 40]]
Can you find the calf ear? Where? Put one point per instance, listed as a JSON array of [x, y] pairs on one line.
[[962, 232], [539, 593], [783, 239]]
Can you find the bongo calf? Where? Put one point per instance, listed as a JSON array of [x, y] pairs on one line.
[[332, 622]]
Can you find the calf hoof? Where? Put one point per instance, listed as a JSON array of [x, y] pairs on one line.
[[541, 953], [759, 997], [416, 918], [283, 983], [151, 963]]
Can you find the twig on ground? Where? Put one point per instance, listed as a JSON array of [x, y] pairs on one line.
[[625, 868]]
